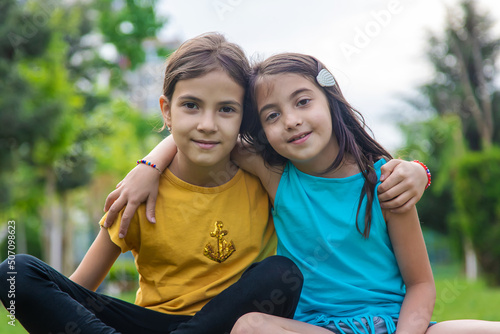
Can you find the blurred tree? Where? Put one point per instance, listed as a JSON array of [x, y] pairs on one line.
[[126, 24], [62, 61], [477, 196], [461, 104], [464, 63], [21, 126]]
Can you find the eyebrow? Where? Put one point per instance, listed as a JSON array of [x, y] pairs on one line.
[[231, 102], [293, 95], [197, 99], [189, 97]]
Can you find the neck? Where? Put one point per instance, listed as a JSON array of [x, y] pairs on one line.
[[203, 176], [322, 161]]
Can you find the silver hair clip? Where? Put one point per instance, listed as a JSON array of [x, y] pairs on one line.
[[325, 78]]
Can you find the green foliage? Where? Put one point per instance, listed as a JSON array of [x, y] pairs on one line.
[[53, 103], [22, 33], [63, 130], [124, 270], [125, 135], [126, 24], [460, 105], [477, 198], [20, 38], [464, 65]]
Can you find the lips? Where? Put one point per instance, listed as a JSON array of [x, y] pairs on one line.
[[301, 137], [205, 144]]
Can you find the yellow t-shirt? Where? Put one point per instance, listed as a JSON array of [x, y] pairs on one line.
[[203, 241]]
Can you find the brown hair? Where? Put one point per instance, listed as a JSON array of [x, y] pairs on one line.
[[348, 124], [203, 54]]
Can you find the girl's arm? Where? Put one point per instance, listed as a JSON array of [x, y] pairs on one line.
[[403, 185], [97, 262], [253, 163], [140, 184], [411, 254]]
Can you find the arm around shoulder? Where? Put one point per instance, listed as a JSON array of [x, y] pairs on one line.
[[245, 157], [140, 185]]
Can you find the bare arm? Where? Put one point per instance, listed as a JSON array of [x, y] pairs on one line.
[[97, 262], [403, 185], [411, 254], [140, 185]]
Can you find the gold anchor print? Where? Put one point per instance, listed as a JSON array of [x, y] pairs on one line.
[[223, 249]]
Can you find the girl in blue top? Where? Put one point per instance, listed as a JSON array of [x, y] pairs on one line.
[[366, 269]]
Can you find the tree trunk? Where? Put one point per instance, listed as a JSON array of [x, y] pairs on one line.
[[479, 106], [471, 266], [484, 96], [52, 223], [68, 262]]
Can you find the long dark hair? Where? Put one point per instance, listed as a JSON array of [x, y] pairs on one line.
[[348, 125]]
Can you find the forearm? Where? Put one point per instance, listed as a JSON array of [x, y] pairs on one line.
[[245, 158], [140, 184], [163, 154], [253, 163], [417, 309]]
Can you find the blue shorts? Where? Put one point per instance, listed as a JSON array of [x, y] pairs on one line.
[[378, 322]]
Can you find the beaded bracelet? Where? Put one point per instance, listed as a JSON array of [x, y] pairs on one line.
[[149, 163], [427, 171]]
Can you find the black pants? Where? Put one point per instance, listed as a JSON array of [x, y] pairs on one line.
[[48, 302]]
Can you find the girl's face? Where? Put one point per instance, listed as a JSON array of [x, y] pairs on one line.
[[295, 116], [205, 115]]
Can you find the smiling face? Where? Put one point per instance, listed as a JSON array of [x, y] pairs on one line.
[[296, 119], [205, 115]]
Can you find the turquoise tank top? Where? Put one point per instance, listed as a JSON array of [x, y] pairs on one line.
[[346, 277]]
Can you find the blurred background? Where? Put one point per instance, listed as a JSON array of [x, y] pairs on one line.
[[79, 89]]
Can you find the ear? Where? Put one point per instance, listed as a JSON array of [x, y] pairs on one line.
[[165, 110]]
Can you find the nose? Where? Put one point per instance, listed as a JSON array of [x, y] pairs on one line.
[[207, 122], [293, 119]]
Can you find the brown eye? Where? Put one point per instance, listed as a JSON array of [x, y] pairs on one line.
[[190, 105], [303, 102], [227, 109], [272, 116]]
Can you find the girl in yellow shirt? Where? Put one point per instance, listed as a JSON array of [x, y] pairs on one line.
[[199, 266]]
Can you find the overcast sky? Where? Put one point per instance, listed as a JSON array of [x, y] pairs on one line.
[[375, 49]]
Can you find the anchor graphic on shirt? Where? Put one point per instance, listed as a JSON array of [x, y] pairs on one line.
[[223, 249]]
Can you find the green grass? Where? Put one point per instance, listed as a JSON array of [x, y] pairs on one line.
[[456, 299], [4, 324]]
